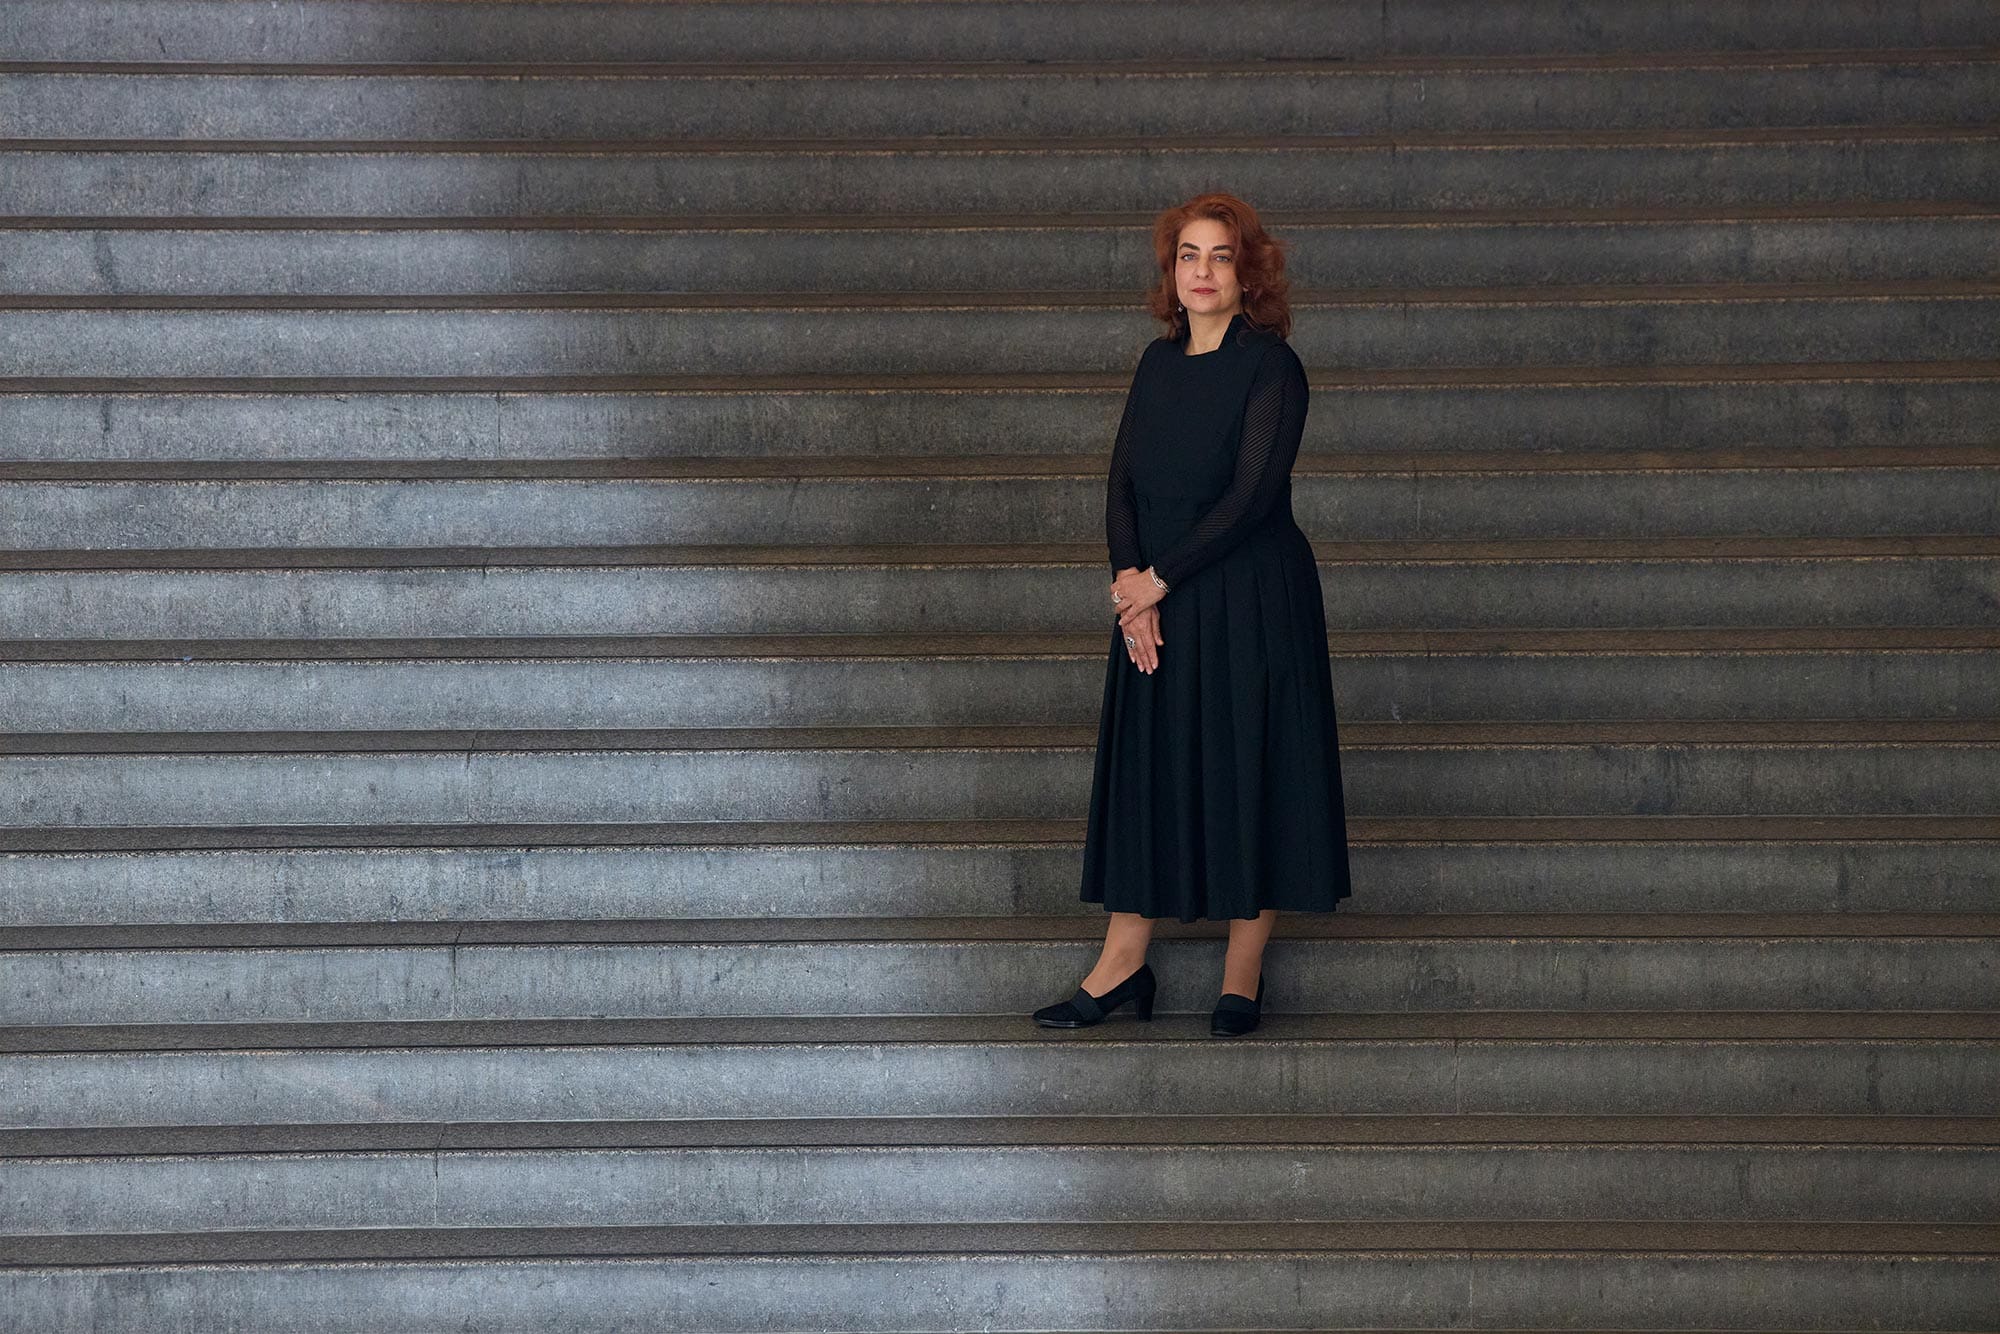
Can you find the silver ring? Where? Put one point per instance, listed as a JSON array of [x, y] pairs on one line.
[[1129, 641]]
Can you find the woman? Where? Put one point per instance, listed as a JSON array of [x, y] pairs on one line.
[[1217, 788]]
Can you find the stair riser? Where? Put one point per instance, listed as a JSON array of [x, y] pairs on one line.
[[375, 30], [808, 1187], [1033, 1077], [817, 423], [72, 262], [544, 883], [652, 785], [1828, 502], [489, 183], [1419, 1290], [366, 984], [1415, 687], [502, 600], [251, 342], [1053, 103]]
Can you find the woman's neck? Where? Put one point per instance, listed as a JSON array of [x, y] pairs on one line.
[[1198, 337]]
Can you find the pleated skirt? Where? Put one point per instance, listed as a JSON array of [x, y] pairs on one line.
[[1216, 791]]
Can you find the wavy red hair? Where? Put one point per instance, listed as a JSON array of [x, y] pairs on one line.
[[1260, 264]]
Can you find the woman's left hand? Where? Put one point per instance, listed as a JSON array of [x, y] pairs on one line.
[[1143, 629], [1136, 591]]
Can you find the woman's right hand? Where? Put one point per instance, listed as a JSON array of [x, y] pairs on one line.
[[1142, 628]]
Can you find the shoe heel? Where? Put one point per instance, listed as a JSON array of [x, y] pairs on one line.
[[1143, 1006]]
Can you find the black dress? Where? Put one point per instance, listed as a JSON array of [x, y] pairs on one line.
[[1217, 786]]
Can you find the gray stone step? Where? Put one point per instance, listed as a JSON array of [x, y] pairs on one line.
[[1173, 1279], [414, 984], [435, 30], [1770, 1239], [387, 969], [1858, 241], [1608, 1064], [42, 1199], [179, 100], [1451, 411], [841, 927], [1758, 583], [1587, 169], [640, 334], [481, 882], [86, 686], [74, 781], [1317, 1132], [1832, 493]]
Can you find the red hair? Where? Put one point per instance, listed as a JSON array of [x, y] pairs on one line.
[[1260, 264]]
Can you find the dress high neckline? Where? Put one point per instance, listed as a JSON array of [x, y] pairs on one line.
[[1227, 334]]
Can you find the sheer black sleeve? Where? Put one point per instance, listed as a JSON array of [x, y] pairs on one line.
[[1121, 514], [1274, 420]]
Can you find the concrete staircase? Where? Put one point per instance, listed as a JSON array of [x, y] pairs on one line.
[[550, 638]]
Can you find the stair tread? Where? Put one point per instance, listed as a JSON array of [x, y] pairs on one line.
[[973, 145], [1512, 550], [1649, 732], [1436, 928], [1471, 216], [1538, 294], [1392, 1130], [1433, 1027], [1323, 379], [1858, 1240], [981, 467], [995, 833], [939, 645], [1805, 58]]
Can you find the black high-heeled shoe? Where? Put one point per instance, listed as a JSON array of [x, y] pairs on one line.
[[1083, 1009], [1235, 1015]]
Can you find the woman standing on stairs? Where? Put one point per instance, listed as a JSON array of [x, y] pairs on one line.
[[1217, 789]]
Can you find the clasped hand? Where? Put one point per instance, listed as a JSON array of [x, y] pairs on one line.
[[1139, 617]]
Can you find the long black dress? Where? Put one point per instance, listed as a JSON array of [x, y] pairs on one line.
[[1217, 787]]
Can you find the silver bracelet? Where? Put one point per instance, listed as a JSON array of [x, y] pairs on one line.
[[1157, 580]]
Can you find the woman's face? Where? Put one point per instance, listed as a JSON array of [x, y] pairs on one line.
[[1205, 269]]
